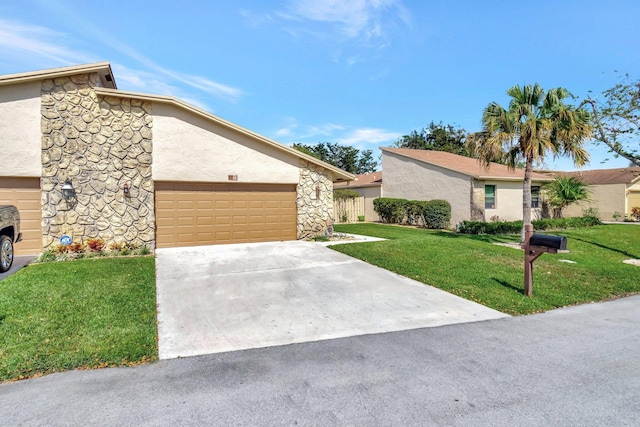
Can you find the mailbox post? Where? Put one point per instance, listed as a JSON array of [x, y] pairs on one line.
[[535, 245]]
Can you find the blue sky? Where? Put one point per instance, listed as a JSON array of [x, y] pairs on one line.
[[359, 72]]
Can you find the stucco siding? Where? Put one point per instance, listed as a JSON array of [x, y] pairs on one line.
[[414, 180], [607, 199], [187, 147], [509, 201], [20, 139]]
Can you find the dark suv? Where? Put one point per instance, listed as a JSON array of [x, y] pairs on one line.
[[9, 234]]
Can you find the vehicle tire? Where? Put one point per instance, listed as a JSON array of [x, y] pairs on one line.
[[6, 253]]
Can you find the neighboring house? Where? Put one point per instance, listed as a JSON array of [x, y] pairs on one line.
[[474, 191], [611, 191], [146, 169], [369, 186]]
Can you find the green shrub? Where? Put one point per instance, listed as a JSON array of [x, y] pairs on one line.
[[390, 210], [414, 211], [515, 227], [361, 218], [436, 214], [344, 194], [497, 227]]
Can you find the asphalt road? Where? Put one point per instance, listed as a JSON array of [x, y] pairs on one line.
[[578, 366]]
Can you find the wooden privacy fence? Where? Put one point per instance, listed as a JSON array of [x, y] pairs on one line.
[[348, 210]]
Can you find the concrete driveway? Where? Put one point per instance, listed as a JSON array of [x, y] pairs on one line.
[[214, 299], [19, 261]]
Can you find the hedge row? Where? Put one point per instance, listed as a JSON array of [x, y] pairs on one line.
[[515, 227], [433, 213]]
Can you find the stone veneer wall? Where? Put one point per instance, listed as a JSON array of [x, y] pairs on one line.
[[99, 144], [315, 214]]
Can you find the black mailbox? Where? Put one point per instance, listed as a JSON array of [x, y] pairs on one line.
[[549, 241]]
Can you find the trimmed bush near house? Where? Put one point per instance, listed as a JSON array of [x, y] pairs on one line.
[[414, 211], [390, 210], [515, 227], [497, 227], [436, 214]]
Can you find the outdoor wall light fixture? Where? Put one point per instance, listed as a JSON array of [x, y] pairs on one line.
[[317, 191], [68, 191], [125, 189]]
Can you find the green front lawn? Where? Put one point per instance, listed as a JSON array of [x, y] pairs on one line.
[[78, 314], [476, 269]]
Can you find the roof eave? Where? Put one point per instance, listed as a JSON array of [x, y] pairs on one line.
[[102, 68], [511, 178], [375, 184]]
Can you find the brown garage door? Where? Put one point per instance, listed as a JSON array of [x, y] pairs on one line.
[[190, 214], [24, 193]]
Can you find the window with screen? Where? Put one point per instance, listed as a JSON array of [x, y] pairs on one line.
[[489, 196], [535, 196]]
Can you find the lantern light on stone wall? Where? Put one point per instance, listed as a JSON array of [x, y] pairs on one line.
[[68, 192], [125, 189]]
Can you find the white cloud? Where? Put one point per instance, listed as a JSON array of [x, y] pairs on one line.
[[356, 18], [38, 46], [369, 136], [366, 21], [326, 129], [361, 138], [148, 82], [204, 84], [29, 44]]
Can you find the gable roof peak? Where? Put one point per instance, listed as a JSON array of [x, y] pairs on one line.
[[103, 69]]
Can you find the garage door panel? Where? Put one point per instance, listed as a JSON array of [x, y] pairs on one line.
[[202, 221], [204, 204], [197, 213], [239, 220], [24, 193]]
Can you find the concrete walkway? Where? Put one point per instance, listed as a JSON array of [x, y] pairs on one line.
[[221, 298]]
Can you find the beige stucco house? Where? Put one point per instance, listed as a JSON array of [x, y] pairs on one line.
[[146, 169], [611, 191], [474, 191], [369, 187]]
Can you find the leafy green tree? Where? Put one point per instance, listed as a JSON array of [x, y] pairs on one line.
[[345, 157], [437, 137], [564, 191], [616, 119], [345, 194], [536, 124]]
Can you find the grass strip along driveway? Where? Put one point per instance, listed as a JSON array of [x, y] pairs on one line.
[[78, 314], [474, 268]]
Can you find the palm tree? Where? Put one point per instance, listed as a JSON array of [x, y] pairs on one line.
[[564, 191], [535, 125]]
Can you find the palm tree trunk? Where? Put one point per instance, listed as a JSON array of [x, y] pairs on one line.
[[526, 195]]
